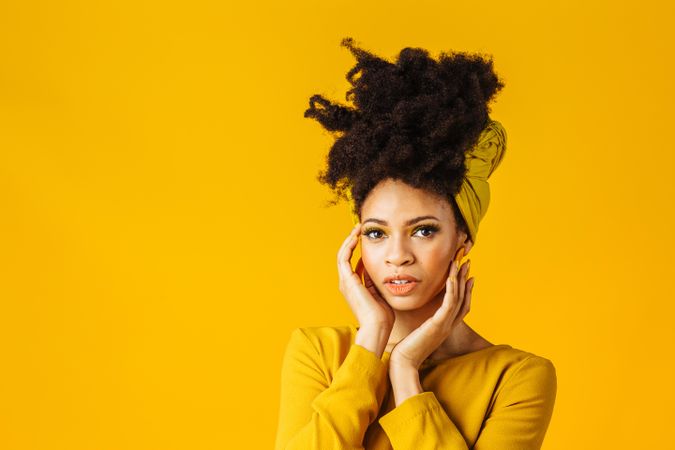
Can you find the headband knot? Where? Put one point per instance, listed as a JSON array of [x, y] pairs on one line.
[[481, 160]]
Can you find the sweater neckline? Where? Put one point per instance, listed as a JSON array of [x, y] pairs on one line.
[[429, 362], [453, 359]]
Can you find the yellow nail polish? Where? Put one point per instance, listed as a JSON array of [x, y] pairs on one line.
[[460, 255]]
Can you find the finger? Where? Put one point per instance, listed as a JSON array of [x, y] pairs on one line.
[[359, 268], [370, 284], [457, 300], [349, 239], [345, 253], [450, 297], [467, 299], [461, 284], [366, 277], [459, 255], [460, 279], [454, 277], [445, 306], [348, 244]]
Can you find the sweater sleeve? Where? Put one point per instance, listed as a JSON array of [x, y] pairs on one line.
[[518, 420], [316, 414]]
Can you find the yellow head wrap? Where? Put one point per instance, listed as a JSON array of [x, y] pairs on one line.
[[482, 159]]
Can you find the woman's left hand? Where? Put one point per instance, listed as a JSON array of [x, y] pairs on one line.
[[421, 342]]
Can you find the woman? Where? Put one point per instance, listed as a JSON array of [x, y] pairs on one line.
[[413, 157]]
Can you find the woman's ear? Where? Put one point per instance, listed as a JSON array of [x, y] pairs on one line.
[[466, 246]]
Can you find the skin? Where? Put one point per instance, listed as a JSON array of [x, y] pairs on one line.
[[428, 322]]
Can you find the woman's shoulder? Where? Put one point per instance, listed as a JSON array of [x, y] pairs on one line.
[[518, 358], [507, 356], [510, 352], [505, 360], [325, 337], [517, 368], [328, 343], [523, 375]]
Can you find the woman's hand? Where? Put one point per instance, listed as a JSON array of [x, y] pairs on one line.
[[412, 350], [369, 307]]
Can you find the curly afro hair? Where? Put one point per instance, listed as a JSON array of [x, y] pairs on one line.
[[411, 120]]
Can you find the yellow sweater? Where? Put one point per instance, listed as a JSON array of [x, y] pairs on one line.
[[336, 395]]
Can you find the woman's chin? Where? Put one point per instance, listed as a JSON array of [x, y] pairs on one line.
[[405, 303]]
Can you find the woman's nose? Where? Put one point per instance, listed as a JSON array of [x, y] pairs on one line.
[[398, 252]]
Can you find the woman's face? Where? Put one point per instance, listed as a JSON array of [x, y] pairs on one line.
[[408, 231]]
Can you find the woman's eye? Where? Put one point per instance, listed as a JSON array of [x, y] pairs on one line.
[[369, 232], [431, 229]]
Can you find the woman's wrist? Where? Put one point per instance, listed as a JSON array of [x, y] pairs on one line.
[[405, 382], [373, 338]]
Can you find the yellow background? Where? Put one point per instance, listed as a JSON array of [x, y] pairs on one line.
[[162, 231]]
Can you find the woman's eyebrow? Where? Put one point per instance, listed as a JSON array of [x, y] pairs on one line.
[[409, 222]]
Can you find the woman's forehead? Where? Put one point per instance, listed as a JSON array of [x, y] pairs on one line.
[[400, 200]]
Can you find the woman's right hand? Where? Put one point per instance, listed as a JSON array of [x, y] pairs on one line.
[[371, 310]]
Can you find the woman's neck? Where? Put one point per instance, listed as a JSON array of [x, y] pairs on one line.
[[462, 339]]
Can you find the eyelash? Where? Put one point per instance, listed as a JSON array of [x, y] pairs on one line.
[[433, 228]]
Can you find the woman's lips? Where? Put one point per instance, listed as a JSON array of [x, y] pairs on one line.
[[401, 289]]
